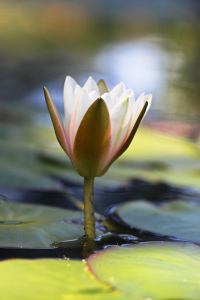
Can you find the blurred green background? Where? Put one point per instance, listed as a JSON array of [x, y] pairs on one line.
[[151, 45]]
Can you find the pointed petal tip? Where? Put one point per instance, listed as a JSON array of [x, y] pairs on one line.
[[101, 80], [90, 79], [47, 95], [148, 99], [45, 89], [101, 100], [56, 120], [102, 86], [70, 79]]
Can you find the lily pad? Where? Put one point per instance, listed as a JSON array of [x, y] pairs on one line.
[[180, 219], [37, 226], [174, 160], [150, 145], [50, 280], [30, 155], [144, 271], [152, 270]]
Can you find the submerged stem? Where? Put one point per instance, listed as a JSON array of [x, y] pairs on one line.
[[89, 220]]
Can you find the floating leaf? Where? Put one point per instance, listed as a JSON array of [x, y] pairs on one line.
[[180, 219], [37, 226], [49, 279], [151, 270], [149, 150], [30, 154], [176, 147]]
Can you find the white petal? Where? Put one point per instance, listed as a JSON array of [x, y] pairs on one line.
[[93, 96], [120, 123], [117, 91], [140, 102], [76, 92], [128, 94], [69, 87], [138, 107], [71, 91], [131, 101], [69, 81], [82, 104], [148, 98], [109, 101], [68, 106], [91, 85]]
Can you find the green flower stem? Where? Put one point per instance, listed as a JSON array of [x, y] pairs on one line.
[[89, 220]]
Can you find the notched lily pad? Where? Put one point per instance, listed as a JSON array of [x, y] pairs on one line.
[[37, 226], [151, 270], [180, 219]]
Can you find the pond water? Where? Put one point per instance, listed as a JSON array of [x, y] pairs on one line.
[[152, 64]]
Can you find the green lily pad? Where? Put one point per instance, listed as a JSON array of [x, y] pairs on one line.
[[145, 271], [30, 154], [150, 145], [51, 279], [26, 167], [179, 158], [152, 270], [180, 219], [37, 226]]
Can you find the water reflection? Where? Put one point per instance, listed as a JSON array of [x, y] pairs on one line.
[[145, 65], [152, 64], [141, 64]]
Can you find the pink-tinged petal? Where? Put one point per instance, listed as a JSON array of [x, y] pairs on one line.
[[57, 122], [125, 145], [82, 104], [102, 86], [138, 107], [91, 85], [69, 81], [68, 107], [121, 115], [69, 103], [133, 132], [119, 125], [70, 93], [92, 140]]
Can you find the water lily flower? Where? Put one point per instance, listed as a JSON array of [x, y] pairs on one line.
[[99, 125]]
